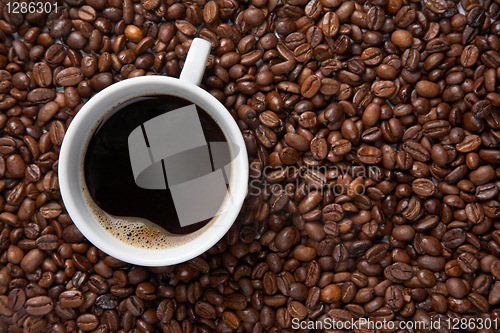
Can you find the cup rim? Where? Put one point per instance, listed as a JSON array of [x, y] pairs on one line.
[[73, 148]]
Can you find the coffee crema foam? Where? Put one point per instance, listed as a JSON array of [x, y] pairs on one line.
[[139, 232]]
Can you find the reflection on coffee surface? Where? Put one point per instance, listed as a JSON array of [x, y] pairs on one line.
[[159, 158]]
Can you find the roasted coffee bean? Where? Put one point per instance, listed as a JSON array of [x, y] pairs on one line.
[[42, 74], [469, 144], [423, 187], [486, 191], [468, 263], [71, 298], [330, 24], [469, 56], [394, 298], [436, 129], [101, 81], [482, 175], [416, 150], [403, 233], [296, 141], [57, 132], [285, 238], [401, 271], [69, 77], [482, 109], [41, 95], [87, 322], [266, 136], [39, 305], [47, 242], [269, 119], [235, 302], [311, 86], [341, 147], [454, 238], [16, 299], [370, 155], [375, 18], [402, 38], [383, 88]]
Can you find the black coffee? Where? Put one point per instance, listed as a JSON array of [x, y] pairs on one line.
[[109, 172]]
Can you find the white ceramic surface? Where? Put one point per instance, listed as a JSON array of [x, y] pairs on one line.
[[98, 108]]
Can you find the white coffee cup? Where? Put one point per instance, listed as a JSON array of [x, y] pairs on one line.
[[74, 192]]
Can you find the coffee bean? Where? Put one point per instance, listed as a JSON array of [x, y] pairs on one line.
[[47, 242], [490, 59], [297, 310], [253, 16], [401, 271], [47, 112], [57, 132], [269, 119], [482, 175], [285, 238], [87, 13], [427, 89], [231, 319], [416, 150], [296, 141], [403, 233], [15, 166], [42, 74], [369, 155], [235, 302], [402, 38], [481, 109], [41, 95], [32, 260], [468, 263], [330, 24], [311, 86], [101, 81], [69, 77], [16, 299], [454, 238], [329, 86], [39, 305], [436, 129], [383, 88], [394, 298], [87, 322], [375, 18], [469, 56], [133, 33], [266, 136], [423, 187], [205, 310], [71, 298], [486, 191]]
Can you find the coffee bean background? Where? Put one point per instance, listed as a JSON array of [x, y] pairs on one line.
[[322, 90]]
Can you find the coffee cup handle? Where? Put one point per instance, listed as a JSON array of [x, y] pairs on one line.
[[196, 61]]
